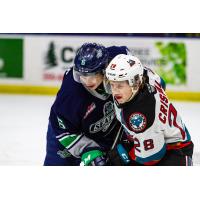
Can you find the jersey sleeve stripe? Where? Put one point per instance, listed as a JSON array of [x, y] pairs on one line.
[[62, 135], [68, 140]]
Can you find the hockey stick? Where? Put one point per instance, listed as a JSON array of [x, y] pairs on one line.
[[115, 141], [119, 134], [121, 151]]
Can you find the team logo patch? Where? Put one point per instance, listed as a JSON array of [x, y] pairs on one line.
[[137, 122]]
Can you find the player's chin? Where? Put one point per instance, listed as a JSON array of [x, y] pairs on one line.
[[92, 87], [121, 101]]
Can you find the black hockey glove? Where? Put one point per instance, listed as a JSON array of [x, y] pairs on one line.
[[118, 156]]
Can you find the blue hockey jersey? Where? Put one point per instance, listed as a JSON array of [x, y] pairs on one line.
[[81, 120]]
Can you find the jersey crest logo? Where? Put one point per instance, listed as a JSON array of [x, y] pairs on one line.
[[137, 122], [104, 123]]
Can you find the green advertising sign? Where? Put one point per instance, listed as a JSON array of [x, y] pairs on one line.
[[11, 58], [172, 64]]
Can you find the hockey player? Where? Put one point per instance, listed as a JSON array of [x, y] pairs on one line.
[[154, 129], [82, 123]]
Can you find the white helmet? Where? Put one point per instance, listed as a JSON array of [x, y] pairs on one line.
[[125, 68]]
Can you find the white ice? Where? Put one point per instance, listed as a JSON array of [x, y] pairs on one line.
[[23, 126]]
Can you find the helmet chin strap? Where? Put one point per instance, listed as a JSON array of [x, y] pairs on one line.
[[101, 95], [134, 92]]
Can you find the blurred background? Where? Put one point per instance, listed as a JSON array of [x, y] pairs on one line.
[[31, 71]]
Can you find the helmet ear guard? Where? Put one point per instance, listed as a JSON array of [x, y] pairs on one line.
[[76, 76], [135, 81]]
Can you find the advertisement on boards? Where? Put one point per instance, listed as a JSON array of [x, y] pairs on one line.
[[11, 58]]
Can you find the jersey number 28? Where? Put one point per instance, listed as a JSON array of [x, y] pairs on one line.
[[148, 144]]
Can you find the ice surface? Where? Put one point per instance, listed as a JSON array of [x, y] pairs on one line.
[[23, 125]]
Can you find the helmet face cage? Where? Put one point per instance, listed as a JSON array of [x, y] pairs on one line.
[[77, 74]]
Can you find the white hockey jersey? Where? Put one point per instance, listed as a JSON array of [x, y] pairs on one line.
[[152, 123]]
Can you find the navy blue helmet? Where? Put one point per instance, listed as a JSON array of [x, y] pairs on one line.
[[116, 50], [91, 58]]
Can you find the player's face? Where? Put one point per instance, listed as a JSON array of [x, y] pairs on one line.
[[121, 91], [92, 82]]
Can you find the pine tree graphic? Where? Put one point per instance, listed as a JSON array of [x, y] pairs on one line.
[[50, 59]]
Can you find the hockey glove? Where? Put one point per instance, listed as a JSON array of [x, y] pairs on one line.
[[93, 158], [118, 156]]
